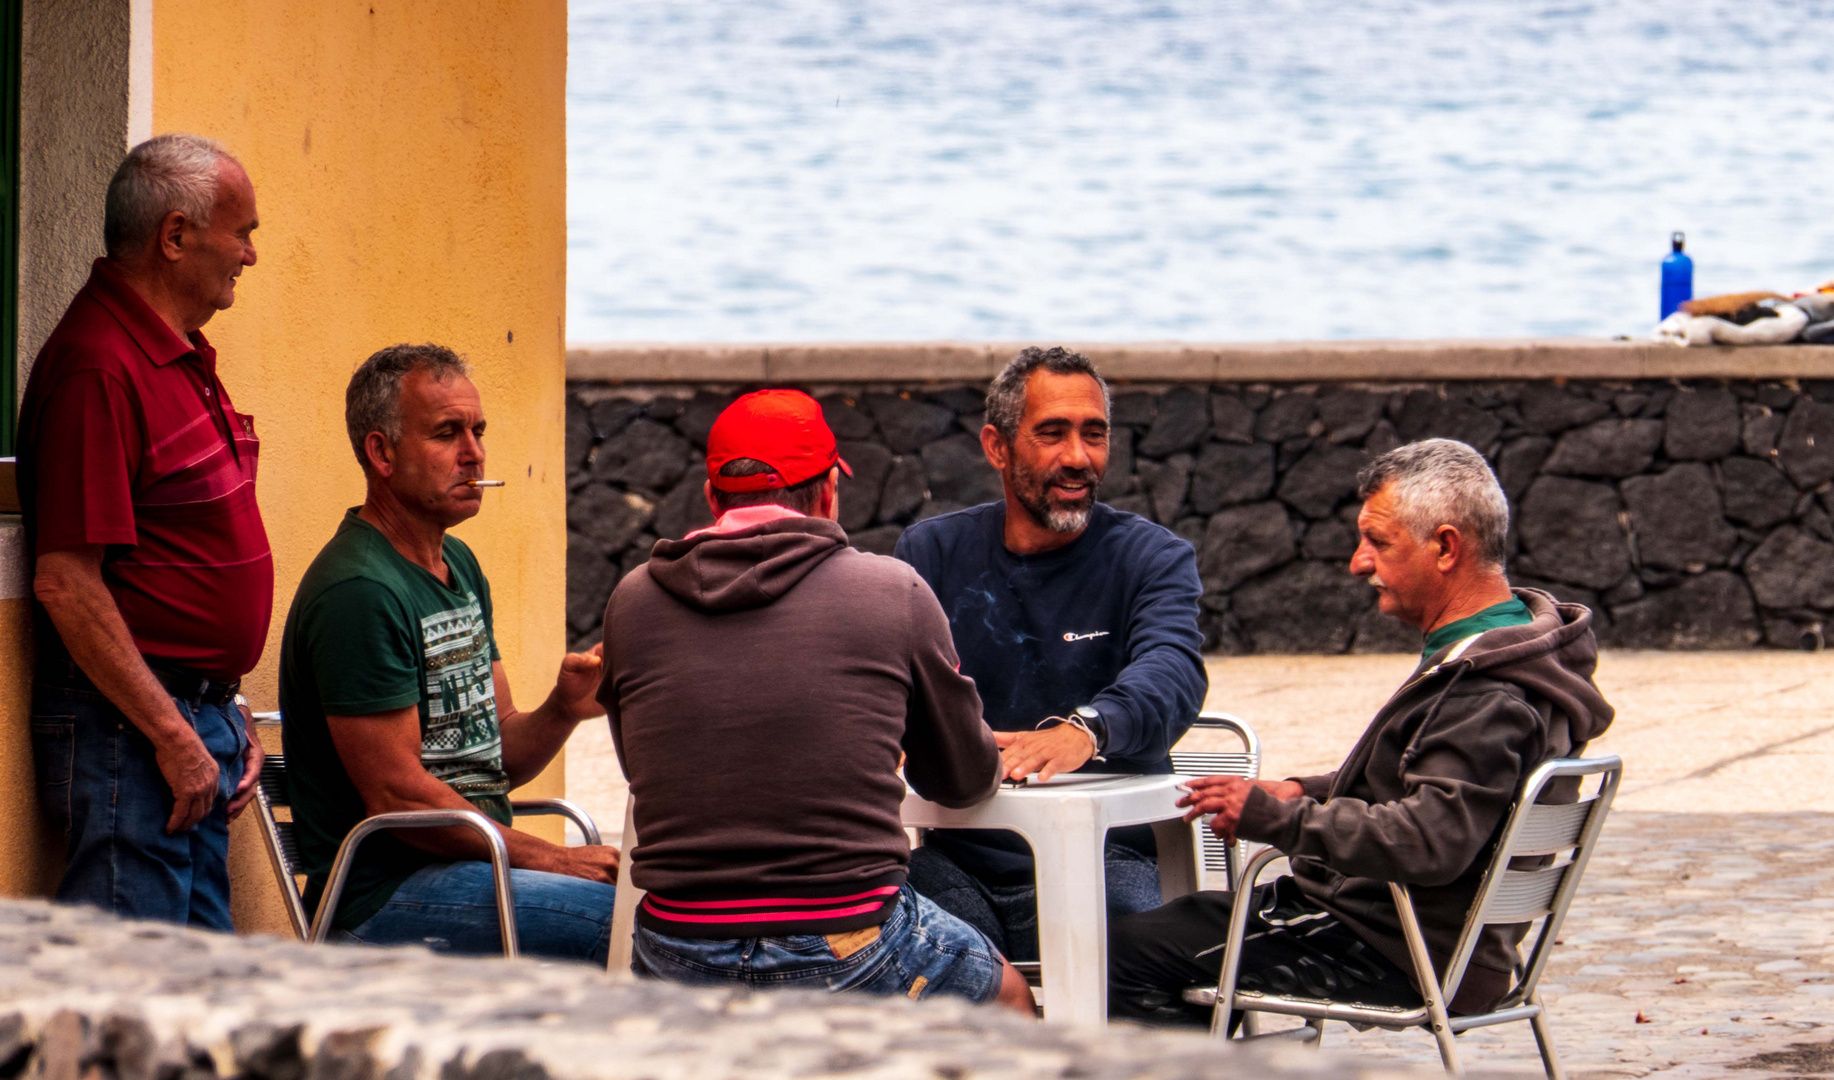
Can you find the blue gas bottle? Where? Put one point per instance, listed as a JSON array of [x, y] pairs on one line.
[[1677, 276]]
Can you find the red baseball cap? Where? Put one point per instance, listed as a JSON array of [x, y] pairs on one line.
[[782, 428]]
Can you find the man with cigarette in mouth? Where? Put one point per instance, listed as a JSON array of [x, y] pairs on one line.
[[1078, 624], [395, 697]]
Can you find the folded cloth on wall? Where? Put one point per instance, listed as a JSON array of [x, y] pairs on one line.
[[1727, 303], [1819, 305], [1751, 313], [1821, 333], [1681, 328]]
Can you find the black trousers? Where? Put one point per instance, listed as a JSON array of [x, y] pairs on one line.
[[1292, 946]]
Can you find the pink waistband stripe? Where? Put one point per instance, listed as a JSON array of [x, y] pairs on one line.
[[762, 916], [799, 901]]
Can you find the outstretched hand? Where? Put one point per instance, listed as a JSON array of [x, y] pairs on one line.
[[1047, 752], [589, 862], [1225, 796], [576, 691], [593, 862]]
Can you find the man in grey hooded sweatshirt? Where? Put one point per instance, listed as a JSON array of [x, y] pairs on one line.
[[764, 683], [1504, 684]]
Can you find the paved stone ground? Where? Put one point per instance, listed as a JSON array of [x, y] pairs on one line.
[[1697, 942], [1710, 906], [1722, 732]]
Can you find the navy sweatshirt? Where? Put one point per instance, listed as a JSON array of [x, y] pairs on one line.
[[1108, 620]]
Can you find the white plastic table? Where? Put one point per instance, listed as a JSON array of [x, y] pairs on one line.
[[1066, 822]]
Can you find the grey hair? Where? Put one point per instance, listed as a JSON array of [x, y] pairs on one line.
[[1006, 397], [1444, 482], [372, 401], [163, 174]]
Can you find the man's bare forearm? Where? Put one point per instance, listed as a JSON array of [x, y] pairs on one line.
[[457, 842], [532, 739], [69, 585]]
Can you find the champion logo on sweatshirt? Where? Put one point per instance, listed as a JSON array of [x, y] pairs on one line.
[[1085, 637]]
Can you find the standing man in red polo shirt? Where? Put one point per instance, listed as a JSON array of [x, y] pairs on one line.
[[154, 578]]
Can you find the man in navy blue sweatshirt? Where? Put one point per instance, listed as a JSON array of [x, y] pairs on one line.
[[1078, 624]]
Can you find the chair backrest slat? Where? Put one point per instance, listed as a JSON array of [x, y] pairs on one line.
[[1204, 763], [281, 839], [274, 779], [289, 846], [1245, 763], [1552, 828], [1536, 830], [1523, 896]]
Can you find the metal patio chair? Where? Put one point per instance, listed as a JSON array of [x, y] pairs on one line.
[[1533, 876], [283, 847], [1217, 855]]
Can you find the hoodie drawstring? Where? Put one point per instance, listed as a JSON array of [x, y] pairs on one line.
[[1458, 672], [1407, 756]]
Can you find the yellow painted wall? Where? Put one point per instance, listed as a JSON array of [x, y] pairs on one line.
[[409, 161], [30, 855]]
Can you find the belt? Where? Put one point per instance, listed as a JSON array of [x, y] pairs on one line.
[[190, 686], [180, 682]]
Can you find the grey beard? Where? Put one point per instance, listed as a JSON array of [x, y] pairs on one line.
[[1066, 520], [1063, 519]]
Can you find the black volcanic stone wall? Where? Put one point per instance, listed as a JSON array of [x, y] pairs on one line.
[[1687, 515]]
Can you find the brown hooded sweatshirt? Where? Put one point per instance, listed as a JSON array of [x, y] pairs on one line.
[[1423, 796], [762, 679]]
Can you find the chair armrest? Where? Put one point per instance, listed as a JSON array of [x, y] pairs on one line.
[[1260, 862], [421, 819], [572, 811], [1251, 743]]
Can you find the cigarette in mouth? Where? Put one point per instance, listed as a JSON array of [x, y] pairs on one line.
[[485, 483]]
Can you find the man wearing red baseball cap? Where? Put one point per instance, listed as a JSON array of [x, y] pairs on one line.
[[762, 654]]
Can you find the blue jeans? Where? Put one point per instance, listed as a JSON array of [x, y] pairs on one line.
[[452, 908], [1008, 914], [97, 777], [920, 951]]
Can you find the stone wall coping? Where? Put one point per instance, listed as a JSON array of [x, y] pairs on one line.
[[1287, 362], [83, 994]]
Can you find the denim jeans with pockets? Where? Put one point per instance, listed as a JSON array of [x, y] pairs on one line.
[[97, 777], [920, 951], [452, 908]]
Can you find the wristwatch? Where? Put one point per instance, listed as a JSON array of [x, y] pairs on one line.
[[1096, 725]]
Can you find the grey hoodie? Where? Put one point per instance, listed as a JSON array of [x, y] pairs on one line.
[[1424, 793], [761, 684]]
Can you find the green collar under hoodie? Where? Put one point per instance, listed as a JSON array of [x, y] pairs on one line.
[[1511, 612]]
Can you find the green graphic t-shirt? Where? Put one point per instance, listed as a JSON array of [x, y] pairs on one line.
[[370, 632]]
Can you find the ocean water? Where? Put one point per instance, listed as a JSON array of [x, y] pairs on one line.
[[745, 170]]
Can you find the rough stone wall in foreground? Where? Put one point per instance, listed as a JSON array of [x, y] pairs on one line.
[[1686, 514], [84, 996]]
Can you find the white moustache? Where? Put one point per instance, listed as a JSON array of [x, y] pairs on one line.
[[1376, 580]]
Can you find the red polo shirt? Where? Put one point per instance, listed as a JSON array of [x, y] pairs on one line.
[[128, 439]]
